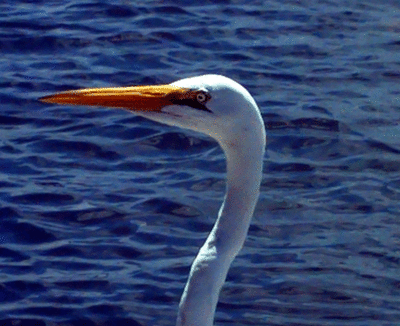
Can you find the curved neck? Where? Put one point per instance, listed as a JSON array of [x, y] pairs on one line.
[[209, 269]]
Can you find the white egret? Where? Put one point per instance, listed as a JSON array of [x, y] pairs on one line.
[[223, 109]]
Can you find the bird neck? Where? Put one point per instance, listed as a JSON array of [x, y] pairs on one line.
[[209, 269], [244, 174]]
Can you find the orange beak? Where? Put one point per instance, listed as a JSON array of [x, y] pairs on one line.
[[136, 98]]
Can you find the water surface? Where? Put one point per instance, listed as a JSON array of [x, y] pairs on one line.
[[102, 212]]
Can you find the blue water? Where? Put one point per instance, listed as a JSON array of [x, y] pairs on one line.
[[102, 212]]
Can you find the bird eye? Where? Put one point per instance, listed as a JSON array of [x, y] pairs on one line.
[[201, 97]]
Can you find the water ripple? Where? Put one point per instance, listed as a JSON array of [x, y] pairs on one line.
[[103, 211]]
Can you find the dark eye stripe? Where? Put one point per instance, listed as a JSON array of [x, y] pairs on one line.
[[190, 102]]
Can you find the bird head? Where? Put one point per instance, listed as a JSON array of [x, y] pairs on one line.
[[211, 104]]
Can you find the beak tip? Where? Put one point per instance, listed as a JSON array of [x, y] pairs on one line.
[[58, 98], [44, 99]]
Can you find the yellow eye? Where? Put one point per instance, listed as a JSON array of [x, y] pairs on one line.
[[201, 97]]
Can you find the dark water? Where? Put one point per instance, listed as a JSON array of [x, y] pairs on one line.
[[102, 212]]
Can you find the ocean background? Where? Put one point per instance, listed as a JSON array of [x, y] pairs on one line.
[[102, 212]]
